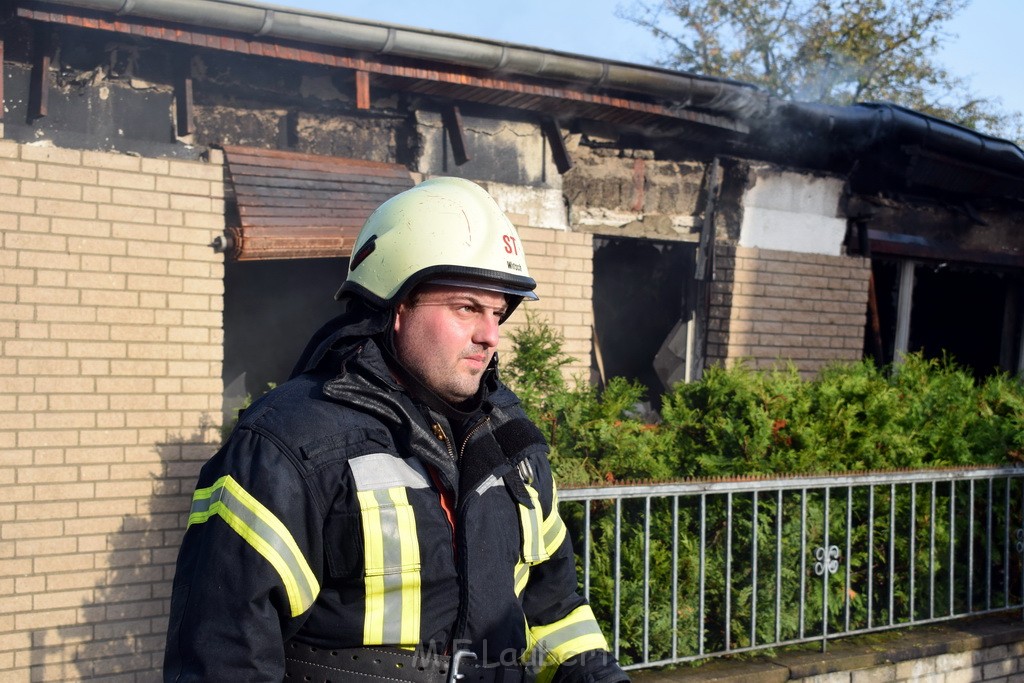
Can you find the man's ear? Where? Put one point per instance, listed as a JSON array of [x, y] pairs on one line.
[[399, 309]]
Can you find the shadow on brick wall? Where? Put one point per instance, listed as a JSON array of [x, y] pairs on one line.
[[119, 633]]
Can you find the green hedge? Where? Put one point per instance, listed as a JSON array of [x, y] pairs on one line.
[[853, 416], [737, 421]]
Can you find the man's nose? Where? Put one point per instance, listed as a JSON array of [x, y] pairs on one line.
[[487, 333]]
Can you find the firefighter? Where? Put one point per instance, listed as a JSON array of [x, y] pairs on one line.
[[389, 512]]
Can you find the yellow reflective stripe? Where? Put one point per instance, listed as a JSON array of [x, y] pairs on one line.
[[520, 575], [554, 527], [392, 567], [555, 643], [264, 532], [531, 524]]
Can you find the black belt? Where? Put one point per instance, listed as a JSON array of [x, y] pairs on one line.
[[308, 664]]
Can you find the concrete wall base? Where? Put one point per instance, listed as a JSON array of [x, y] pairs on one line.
[[989, 649]]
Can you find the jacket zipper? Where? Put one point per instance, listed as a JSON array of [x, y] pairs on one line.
[[469, 434], [460, 619]]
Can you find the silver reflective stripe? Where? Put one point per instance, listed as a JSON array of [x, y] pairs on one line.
[[376, 471], [263, 531], [489, 483], [392, 570]]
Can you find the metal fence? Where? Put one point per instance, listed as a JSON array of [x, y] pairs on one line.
[[685, 571]]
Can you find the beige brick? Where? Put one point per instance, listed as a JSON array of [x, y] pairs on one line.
[[64, 385], [155, 250], [33, 620], [183, 186], [17, 169], [190, 203], [126, 216], [169, 217], [59, 420], [154, 283], [138, 383], [94, 349], [96, 263], [95, 367], [68, 209], [35, 242], [65, 313], [80, 579], [28, 367], [121, 162], [109, 297], [51, 190], [97, 281], [52, 155], [141, 198], [212, 224], [9, 149], [96, 195], [149, 333], [126, 316], [108, 437], [90, 245], [147, 266], [35, 349], [65, 563], [189, 169], [65, 174], [33, 530], [131, 181], [94, 472]]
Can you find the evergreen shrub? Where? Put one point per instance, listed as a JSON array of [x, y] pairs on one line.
[[927, 413]]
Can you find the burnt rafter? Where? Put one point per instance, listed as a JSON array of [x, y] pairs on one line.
[[443, 81], [183, 102], [39, 88], [559, 153], [451, 117]]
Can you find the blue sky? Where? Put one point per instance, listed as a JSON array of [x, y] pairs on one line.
[[987, 49]]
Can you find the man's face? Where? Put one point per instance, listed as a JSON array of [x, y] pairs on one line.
[[447, 335]]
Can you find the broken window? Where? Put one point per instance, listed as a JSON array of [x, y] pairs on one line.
[[968, 312], [271, 309], [641, 308]]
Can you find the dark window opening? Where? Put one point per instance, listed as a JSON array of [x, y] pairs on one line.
[[968, 313], [271, 309], [639, 301]]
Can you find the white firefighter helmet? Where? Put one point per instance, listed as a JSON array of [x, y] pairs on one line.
[[443, 231]]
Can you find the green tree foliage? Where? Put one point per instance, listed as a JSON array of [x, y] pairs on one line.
[[831, 51]]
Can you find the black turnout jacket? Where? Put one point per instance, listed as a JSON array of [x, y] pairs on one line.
[[341, 512]]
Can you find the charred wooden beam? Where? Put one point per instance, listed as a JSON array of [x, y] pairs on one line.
[[183, 99], [362, 89], [559, 154], [452, 119], [1, 80], [39, 88]]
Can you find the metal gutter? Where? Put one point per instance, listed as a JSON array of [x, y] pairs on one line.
[[258, 20]]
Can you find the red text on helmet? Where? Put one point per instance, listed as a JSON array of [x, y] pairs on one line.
[[510, 245]]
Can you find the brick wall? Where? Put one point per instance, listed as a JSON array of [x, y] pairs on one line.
[[111, 333], [562, 263], [768, 306]]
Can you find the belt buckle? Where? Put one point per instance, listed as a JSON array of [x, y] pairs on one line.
[[453, 672]]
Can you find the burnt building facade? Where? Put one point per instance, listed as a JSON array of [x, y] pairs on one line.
[[181, 184]]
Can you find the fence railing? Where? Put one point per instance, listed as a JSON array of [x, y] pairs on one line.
[[685, 571]]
